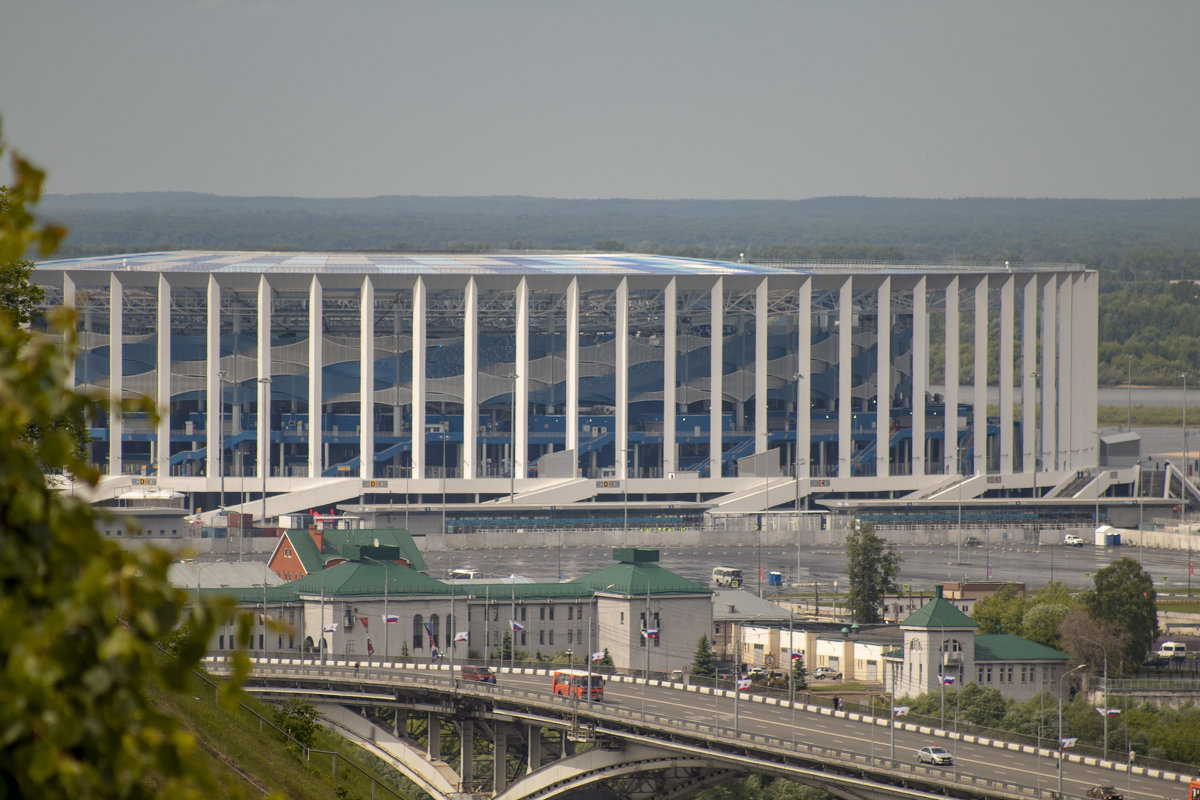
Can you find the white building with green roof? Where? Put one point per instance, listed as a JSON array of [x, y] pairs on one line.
[[942, 647], [645, 616]]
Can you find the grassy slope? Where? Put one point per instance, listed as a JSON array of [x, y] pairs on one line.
[[251, 762]]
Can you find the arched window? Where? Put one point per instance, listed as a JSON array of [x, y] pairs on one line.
[[433, 626], [418, 642]]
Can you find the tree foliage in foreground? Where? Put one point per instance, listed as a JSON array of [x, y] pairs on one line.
[[83, 617]]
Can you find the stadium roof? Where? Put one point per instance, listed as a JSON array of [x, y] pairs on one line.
[[523, 263], [497, 263]]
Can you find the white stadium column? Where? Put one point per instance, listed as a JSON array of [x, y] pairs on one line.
[[950, 369], [418, 379], [316, 357], [1066, 392], [470, 378], [366, 385], [1084, 360], [116, 366], [1051, 452], [761, 364], [163, 374], [214, 416], [573, 368], [1007, 343], [670, 396], [920, 374], [68, 287], [264, 372], [883, 378], [804, 367], [980, 381], [621, 401], [521, 429], [716, 391], [845, 403], [1029, 422]]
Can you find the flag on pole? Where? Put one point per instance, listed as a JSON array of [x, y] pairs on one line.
[[432, 637], [516, 626], [460, 636], [947, 679], [390, 618], [796, 656], [899, 711], [370, 648], [598, 655], [743, 684], [330, 628], [1065, 743], [650, 633], [1108, 712], [363, 620]]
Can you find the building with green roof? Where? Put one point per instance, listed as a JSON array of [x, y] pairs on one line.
[[645, 616], [942, 647]]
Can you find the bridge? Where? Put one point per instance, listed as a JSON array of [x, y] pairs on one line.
[[654, 739]]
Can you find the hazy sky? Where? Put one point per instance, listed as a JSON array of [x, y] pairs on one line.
[[645, 99]]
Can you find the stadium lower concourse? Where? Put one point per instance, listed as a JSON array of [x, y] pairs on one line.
[[581, 382]]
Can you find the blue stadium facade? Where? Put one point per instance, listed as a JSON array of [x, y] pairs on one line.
[[541, 379]]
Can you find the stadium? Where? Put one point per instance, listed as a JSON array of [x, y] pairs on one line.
[[586, 387]]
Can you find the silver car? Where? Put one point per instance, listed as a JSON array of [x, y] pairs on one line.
[[934, 755]]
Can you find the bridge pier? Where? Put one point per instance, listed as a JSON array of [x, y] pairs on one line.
[[534, 762], [433, 744], [500, 758], [466, 753]]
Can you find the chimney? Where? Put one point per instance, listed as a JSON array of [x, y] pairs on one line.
[[318, 536]]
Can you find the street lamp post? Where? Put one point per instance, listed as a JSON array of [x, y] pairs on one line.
[[1104, 711], [1060, 732], [264, 418], [386, 652], [221, 421], [1183, 483], [512, 441], [1129, 387], [799, 461]]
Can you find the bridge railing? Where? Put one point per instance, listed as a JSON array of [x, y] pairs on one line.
[[351, 682]]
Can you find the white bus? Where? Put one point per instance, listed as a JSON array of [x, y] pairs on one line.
[[727, 576]]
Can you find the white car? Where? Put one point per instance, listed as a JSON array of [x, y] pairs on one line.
[[1073, 540], [934, 755], [821, 673]]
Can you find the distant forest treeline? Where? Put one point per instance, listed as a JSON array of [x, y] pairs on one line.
[[1147, 252]]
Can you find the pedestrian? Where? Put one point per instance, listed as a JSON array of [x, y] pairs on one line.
[[356, 669]]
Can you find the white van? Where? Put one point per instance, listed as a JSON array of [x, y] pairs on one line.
[[1172, 650], [727, 576]]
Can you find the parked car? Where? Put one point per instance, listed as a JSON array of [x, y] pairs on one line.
[[934, 755], [972, 541], [1104, 793], [481, 674], [820, 673], [757, 672], [1073, 539]]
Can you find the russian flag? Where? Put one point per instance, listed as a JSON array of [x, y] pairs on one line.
[[947, 679], [516, 626], [743, 684], [650, 633], [899, 711], [330, 628], [390, 618], [598, 655], [461, 636]]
